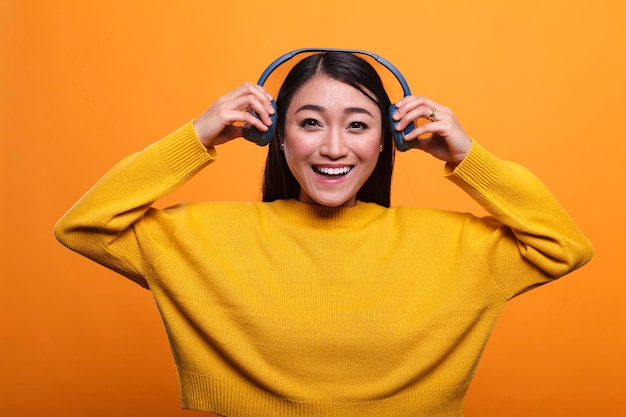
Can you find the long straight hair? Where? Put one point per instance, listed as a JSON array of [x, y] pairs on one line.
[[278, 181]]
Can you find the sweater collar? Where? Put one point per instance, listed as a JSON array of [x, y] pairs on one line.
[[327, 217]]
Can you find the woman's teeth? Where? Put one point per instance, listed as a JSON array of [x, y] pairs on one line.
[[332, 171]]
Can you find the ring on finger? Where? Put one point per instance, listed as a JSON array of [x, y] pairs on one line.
[[433, 114]]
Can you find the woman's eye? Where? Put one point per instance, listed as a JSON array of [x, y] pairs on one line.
[[309, 123], [358, 125]]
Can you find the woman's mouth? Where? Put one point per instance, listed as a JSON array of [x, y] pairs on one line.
[[331, 172]]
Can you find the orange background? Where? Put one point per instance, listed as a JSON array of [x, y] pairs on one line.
[[85, 83]]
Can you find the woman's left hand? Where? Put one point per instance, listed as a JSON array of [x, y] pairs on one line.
[[446, 139]]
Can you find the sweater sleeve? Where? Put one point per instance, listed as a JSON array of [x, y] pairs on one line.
[[100, 225], [526, 212]]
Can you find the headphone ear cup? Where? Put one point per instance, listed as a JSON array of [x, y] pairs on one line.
[[398, 136], [254, 135]]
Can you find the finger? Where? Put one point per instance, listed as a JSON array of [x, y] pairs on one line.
[[239, 108], [248, 96], [252, 120], [261, 109], [409, 103], [424, 131], [413, 115], [258, 92], [261, 90], [411, 108]]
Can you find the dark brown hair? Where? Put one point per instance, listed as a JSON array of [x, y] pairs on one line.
[[278, 181]]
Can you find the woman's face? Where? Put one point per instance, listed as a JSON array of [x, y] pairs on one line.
[[332, 140]]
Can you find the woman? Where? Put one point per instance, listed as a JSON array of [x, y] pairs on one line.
[[322, 300]]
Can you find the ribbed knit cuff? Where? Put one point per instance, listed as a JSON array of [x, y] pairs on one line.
[[184, 152], [477, 173]]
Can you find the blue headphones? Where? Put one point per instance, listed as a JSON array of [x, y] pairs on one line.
[[263, 138]]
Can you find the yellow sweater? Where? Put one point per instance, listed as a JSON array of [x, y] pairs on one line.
[[286, 309]]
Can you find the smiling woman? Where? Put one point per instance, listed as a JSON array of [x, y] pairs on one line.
[[322, 300], [332, 146], [347, 92]]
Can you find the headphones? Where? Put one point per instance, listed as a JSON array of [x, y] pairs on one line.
[[263, 138]]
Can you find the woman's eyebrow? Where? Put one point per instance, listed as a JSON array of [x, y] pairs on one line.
[[357, 110], [313, 107], [347, 110]]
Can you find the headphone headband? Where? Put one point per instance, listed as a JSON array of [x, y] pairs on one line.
[[263, 138], [286, 57]]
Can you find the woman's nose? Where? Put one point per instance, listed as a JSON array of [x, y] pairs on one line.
[[333, 144]]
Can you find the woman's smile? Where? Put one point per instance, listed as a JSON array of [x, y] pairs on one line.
[[326, 171]]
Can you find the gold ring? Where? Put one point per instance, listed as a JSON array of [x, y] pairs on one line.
[[433, 113]]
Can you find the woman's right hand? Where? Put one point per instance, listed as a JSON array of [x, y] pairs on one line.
[[224, 120]]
